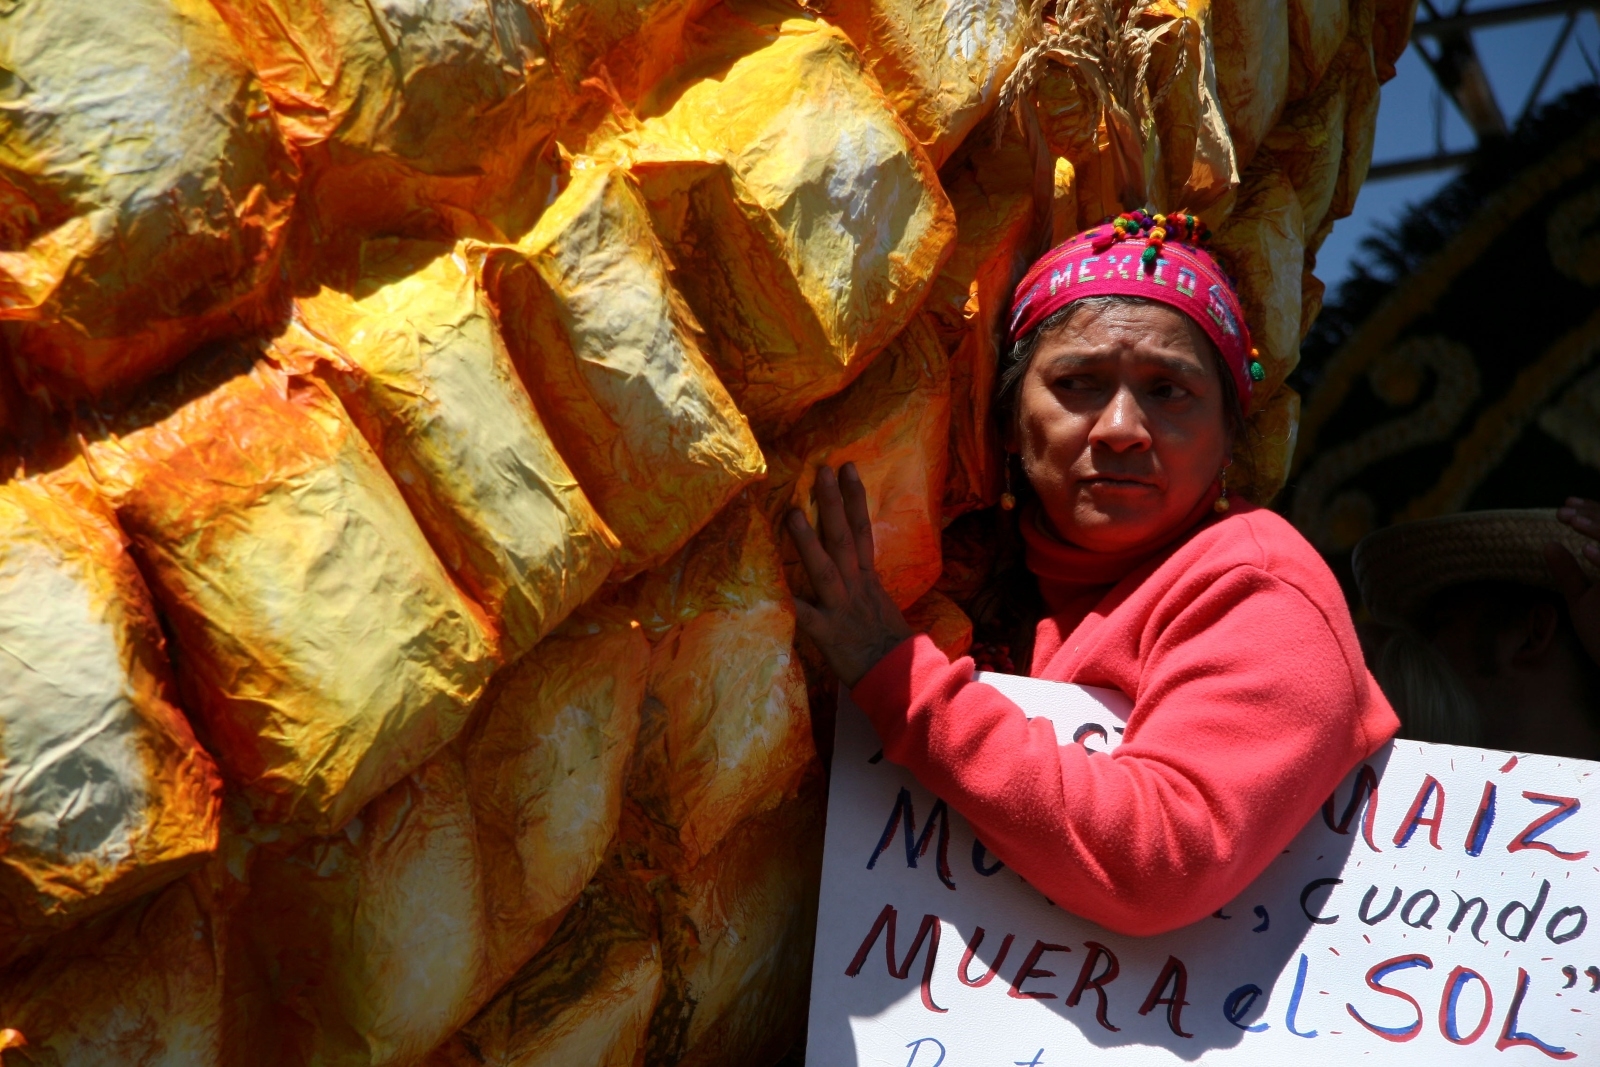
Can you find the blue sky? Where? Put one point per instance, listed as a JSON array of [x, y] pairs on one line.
[[1512, 56]]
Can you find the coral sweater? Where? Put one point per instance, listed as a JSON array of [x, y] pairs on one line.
[[1251, 701]]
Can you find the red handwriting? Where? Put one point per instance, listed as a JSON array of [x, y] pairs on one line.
[[1173, 974], [1087, 980], [1028, 970], [885, 923], [1427, 810], [1414, 818], [994, 968], [1566, 807]]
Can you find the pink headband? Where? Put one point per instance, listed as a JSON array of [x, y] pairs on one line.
[[1098, 262]]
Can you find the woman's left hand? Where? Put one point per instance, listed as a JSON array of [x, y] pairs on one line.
[[1583, 596], [853, 622]]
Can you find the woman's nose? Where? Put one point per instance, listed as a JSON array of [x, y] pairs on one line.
[[1121, 426]]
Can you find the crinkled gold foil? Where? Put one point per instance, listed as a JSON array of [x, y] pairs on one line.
[[376, 938], [107, 794], [613, 361], [720, 215], [736, 931], [893, 423], [546, 762], [625, 45], [388, 936], [726, 731], [142, 985], [826, 187], [585, 999], [420, 366], [144, 189], [998, 218], [941, 62], [409, 116], [318, 640]]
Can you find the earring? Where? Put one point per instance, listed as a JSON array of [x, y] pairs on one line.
[[1008, 499], [1222, 504]]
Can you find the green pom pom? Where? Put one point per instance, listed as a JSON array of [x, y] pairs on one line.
[[1257, 372], [1149, 255]]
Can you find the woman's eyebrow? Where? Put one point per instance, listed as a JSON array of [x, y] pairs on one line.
[[1177, 365]]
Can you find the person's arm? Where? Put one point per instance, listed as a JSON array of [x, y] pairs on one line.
[[1250, 712], [1582, 595]]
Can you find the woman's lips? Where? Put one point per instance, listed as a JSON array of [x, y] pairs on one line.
[[1105, 482]]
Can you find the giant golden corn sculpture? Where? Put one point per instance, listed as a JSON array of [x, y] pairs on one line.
[[396, 656]]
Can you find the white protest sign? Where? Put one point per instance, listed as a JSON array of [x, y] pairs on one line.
[[1445, 921]]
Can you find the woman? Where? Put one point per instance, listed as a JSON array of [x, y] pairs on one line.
[[1125, 391]]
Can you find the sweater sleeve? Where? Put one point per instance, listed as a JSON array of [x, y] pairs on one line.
[[1249, 712]]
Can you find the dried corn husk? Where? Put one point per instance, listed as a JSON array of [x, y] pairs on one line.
[[104, 793], [1262, 243], [737, 932], [386, 938], [586, 999], [418, 363], [1252, 49], [145, 984], [941, 62], [614, 364], [1310, 141], [1128, 96], [1360, 78], [1198, 165], [409, 115], [144, 189], [319, 641], [1274, 428], [1063, 202], [726, 730], [893, 424], [1316, 29], [818, 247], [998, 216], [1390, 32]]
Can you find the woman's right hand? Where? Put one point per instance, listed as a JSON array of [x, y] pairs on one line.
[[1582, 595], [853, 622]]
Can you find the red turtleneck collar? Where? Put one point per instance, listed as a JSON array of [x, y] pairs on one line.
[[1067, 572]]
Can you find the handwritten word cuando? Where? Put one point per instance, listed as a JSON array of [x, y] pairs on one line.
[[1439, 901]]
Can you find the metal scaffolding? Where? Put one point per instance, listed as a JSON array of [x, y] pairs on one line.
[[1444, 42]]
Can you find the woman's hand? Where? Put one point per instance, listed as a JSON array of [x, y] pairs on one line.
[[853, 622], [1583, 596]]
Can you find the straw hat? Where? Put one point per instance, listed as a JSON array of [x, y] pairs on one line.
[[1399, 567]]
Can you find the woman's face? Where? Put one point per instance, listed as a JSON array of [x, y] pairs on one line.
[[1121, 425]]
